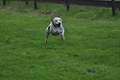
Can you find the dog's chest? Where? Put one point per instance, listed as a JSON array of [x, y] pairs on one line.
[[56, 31]]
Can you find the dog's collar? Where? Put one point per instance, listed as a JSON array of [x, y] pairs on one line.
[[53, 24]]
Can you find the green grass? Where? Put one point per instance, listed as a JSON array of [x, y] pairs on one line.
[[90, 51]]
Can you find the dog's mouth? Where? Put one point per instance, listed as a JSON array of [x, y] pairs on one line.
[[58, 24]]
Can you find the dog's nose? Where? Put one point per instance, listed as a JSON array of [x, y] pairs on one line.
[[59, 23]]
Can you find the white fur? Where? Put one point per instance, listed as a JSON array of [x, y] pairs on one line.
[[55, 28]]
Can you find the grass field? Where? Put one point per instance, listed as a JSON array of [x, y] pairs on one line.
[[91, 50]]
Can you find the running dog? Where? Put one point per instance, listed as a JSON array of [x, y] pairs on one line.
[[55, 28]]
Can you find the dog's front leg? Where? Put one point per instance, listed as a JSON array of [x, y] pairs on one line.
[[46, 38], [62, 36]]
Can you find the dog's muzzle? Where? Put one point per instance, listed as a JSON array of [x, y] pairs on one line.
[[58, 24]]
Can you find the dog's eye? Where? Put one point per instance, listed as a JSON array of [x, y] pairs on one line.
[[56, 20]]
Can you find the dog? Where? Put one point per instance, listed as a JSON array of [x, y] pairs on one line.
[[55, 28]]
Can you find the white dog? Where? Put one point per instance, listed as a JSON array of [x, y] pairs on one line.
[[55, 28]]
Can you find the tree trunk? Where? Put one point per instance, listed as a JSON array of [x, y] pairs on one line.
[[35, 4], [113, 8], [26, 2], [4, 2]]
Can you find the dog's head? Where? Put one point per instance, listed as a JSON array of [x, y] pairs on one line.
[[57, 21]]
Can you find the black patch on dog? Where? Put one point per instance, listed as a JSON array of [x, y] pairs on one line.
[[48, 28]]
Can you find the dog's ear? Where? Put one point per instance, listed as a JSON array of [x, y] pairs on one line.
[[59, 17]]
